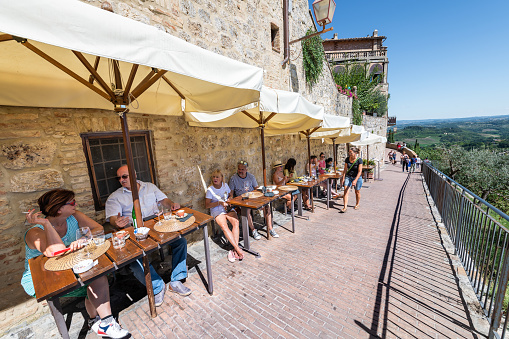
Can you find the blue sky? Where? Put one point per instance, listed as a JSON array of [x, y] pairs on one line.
[[447, 59]]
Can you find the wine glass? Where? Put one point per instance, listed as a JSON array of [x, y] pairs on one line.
[[246, 186], [84, 237], [160, 212]]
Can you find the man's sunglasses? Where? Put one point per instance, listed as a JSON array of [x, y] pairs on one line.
[[125, 176], [72, 202], [242, 162]]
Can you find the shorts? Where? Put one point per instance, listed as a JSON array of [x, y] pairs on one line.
[[348, 183]]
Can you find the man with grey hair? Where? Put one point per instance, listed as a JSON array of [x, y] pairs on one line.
[[242, 182], [119, 208]]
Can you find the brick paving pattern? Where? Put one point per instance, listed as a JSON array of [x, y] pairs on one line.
[[380, 271]]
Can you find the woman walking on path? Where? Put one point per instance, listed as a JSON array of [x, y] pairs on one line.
[[352, 177]]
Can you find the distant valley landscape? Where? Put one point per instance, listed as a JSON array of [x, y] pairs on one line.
[[473, 132]]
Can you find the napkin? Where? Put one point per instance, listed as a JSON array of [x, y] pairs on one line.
[[189, 215]]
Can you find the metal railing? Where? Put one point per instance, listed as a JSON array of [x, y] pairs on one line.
[[480, 240], [331, 56]]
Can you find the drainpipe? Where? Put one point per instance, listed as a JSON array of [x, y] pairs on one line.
[[286, 37]]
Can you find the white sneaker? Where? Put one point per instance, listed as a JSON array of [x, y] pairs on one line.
[[112, 330], [273, 234], [256, 235]]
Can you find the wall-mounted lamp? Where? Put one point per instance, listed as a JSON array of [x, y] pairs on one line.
[[324, 11]]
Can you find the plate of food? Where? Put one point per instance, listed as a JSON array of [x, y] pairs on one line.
[[182, 217]]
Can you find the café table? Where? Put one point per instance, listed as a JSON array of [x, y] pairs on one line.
[[201, 222], [329, 177], [309, 186], [246, 205], [51, 285]]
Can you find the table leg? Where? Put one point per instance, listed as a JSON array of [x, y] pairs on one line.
[[245, 226], [210, 285], [271, 220], [56, 311], [293, 213], [245, 231], [299, 203], [328, 192], [150, 290], [310, 192]]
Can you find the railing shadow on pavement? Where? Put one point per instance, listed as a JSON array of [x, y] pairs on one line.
[[420, 295]]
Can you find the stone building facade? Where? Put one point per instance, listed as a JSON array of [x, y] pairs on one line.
[[342, 53], [42, 148]]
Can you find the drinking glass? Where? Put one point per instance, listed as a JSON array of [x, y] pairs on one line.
[[167, 213], [98, 237], [84, 236], [246, 186], [118, 241]]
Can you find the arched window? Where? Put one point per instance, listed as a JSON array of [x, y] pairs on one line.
[[339, 69], [376, 71]]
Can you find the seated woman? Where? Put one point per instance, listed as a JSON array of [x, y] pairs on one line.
[[290, 173], [215, 199], [278, 178], [56, 232], [312, 166]]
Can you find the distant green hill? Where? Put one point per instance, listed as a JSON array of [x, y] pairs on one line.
[[477, 132]]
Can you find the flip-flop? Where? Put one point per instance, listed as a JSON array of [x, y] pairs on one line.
[[344, 210], [231, 256], [356, 207]]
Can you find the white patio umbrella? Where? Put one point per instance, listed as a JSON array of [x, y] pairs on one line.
[[278, 112], [331, 125], [368, 139], [341, 136], [65, 53]]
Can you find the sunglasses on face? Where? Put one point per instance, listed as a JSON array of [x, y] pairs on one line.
[[125, 176], [72, 202]]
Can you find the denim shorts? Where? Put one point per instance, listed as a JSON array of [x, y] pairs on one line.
[[348, 183]]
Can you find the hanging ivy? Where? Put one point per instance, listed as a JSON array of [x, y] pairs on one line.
[[313, 56]]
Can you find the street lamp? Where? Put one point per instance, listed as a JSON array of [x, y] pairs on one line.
[[324, 11]]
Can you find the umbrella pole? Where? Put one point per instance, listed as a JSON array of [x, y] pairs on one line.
[[136, 201], [262, 135], [334, 153], [309, 153]]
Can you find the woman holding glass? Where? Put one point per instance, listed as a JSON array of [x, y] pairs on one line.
[[60, 229], [216, 199]]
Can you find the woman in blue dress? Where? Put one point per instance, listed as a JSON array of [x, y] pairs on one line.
[[56, 232]]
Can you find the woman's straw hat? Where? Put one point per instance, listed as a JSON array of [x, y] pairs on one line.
[[277, 164]]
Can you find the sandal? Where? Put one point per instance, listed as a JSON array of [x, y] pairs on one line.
[[237, 256], [231, 256], [344, 210], [356, 207]]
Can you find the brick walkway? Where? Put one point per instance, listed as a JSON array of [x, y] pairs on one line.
[[380, 271]]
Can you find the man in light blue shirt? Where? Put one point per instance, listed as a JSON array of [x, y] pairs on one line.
[[242, 182], [119, 208]]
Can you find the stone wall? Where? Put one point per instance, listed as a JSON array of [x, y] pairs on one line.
[[378, 126], [41, 148]]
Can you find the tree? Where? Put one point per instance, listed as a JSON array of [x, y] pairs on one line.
[[369, 97]]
